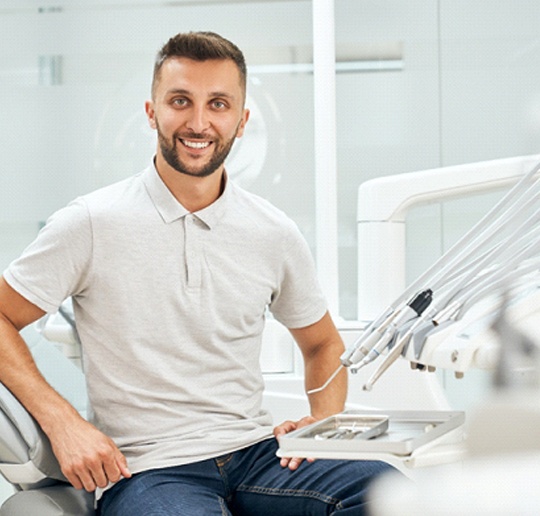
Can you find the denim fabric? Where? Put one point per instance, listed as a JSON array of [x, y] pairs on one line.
[[250, 482]]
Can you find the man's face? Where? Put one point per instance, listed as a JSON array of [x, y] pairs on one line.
[[198, 112]]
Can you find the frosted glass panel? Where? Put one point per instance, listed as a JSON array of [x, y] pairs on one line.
[[388, 121], [435, 228], [468, 91], [73, 81], [490, 78], [14, 237], [285, 105]]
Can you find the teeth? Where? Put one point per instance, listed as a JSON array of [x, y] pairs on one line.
[[196, 145]]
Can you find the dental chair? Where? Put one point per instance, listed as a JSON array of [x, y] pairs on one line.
[[26, 458]]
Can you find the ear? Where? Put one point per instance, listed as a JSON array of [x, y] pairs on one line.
[[150, 113], [242, 124]]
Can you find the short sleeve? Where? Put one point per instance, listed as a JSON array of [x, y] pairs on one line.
[[56, 264], [298, 301]]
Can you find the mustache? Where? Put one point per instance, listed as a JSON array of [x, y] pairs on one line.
[[192, 136]]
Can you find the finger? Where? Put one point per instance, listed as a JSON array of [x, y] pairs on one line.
[[294, 463], [116, 468], [74, 481], [100, 476], [284, 462], [284, 428], [123, 466], [87, 481], [79, 477], [113, 472], [305, 421], [291, 462]]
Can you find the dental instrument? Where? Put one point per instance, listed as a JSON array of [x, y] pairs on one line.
[[327, 383], [396, 351], [411, 311]]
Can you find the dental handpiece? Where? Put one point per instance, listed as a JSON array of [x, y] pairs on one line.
[[364, 343], [371, 338], [412, 310], [397, 349], [376, 350]]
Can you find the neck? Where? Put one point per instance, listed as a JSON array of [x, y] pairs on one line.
[[193, 193]]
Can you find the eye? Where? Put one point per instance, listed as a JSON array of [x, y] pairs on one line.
[[219, 104], [180, 102]]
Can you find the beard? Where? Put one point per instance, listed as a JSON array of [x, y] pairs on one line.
[[171, 156]]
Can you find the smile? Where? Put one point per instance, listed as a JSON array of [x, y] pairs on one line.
[[195, 145]]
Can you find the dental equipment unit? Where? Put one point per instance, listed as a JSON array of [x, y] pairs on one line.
[[445, 318], [502, 250]]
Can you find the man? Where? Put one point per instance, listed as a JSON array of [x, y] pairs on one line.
[[171, 272]]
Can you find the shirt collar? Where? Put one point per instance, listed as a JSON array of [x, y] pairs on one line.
[[170, 209]]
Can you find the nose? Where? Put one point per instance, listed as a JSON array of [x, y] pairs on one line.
[[198, 120]]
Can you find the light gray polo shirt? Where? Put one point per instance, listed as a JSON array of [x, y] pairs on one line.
[[170, 308]]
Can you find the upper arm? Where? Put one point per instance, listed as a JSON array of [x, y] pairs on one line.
[[55, 266], [312, 338], [16, 308]]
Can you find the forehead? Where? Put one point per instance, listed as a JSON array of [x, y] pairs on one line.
[[199, 77]]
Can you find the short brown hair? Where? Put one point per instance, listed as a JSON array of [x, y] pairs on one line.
[[200, 46]]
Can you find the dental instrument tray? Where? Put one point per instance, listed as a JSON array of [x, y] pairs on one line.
[[354, 431]]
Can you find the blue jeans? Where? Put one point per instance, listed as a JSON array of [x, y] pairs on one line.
[[250, 482]]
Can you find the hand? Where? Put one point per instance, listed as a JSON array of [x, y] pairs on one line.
[[285, 428], [87, 457]]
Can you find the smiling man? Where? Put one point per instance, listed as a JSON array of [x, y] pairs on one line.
[[171, 273], [198, 111]]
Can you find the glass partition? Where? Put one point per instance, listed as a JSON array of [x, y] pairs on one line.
[[467, 90], [74, 79]]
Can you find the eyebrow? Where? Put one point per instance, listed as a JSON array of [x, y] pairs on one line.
[[212, 94]]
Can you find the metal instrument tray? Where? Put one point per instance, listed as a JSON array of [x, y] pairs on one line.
[[395, 432]]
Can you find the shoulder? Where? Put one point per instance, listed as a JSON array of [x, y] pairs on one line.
[[260, 213], [114, 194], [77, 218]]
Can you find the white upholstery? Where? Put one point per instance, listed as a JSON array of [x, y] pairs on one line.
[[26, 458]]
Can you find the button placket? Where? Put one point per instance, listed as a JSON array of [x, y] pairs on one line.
[[193, 251]]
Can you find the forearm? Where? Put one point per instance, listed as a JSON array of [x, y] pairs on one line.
[[318, 369], [19, 373], [88, 458], [321, 347]]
